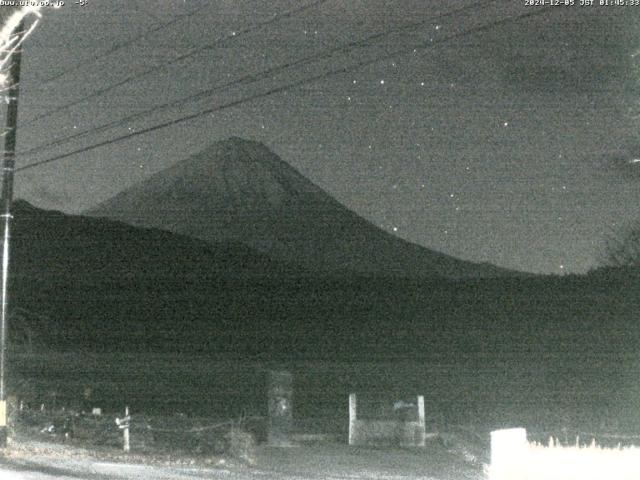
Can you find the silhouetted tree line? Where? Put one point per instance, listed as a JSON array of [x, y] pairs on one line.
[[622, 247]]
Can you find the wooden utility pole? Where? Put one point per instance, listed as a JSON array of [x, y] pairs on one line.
[[8, 169]]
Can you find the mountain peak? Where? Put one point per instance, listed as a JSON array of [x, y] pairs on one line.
[[239, 190], [238, 145]]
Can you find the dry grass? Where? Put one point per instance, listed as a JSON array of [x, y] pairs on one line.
[[562, 462]]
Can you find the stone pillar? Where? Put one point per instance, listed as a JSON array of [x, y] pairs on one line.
[[280, 398]]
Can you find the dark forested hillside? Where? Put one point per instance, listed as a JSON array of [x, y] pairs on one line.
[[106, 285]]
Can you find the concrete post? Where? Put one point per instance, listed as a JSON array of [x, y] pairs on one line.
[[353, 416], [125, 433], [421, 422]]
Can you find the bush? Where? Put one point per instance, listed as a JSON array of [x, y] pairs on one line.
[[241, 445]]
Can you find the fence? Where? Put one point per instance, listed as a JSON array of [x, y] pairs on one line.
[[400, 431], [514, 458]]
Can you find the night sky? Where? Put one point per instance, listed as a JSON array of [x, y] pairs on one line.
[[512, 144]]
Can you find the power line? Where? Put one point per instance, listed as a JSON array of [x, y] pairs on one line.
[[120, 46], [289, 86], [164, 65], [254, 77]]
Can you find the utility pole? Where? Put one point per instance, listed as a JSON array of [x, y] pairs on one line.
[[8, 169]]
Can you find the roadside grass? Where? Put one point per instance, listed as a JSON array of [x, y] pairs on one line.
[[555, 461]]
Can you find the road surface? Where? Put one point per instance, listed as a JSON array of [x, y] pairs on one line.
[[328, 462], [117, 471]]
